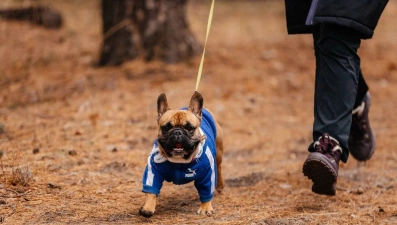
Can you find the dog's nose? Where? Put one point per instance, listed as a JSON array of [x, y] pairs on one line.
[[178, 133]]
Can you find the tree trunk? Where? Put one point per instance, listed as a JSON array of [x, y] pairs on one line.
[[117, 32], [155, 29]]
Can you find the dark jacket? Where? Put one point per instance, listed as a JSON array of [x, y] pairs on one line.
[[360, 15]]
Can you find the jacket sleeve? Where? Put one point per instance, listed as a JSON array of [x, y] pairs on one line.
[[207, 182], [296, 15], [152, 180], [204, 187]]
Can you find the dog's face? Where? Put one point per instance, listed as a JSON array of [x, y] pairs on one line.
[[178, 133]]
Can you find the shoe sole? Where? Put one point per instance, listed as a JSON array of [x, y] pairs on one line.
[[318, 169]]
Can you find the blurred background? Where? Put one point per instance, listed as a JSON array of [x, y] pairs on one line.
[[84, 122]]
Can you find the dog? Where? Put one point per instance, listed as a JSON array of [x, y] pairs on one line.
[[188, 148]]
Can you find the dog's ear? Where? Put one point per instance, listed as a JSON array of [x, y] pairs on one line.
[[196, 104], [162, 105]]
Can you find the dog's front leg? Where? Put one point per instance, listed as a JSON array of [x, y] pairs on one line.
[[150, 205], [206, 208]]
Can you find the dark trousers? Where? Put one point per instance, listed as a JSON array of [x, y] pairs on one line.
[[339, 85]]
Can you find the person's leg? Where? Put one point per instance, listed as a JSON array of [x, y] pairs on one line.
[[336, 85], [337, 77]]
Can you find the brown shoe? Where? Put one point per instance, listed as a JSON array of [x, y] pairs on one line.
[[322, 165], [361, 139]]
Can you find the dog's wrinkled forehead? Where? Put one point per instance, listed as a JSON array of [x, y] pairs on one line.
[[179, 118]]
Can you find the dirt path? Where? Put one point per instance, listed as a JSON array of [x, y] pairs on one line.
[[93, 128]]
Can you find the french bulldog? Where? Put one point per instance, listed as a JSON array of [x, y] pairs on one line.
[[188, 148]]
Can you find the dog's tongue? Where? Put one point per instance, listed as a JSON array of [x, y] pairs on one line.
[[179, 145]]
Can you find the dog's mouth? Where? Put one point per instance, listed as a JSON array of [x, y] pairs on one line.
[[179, 150], [181, 147]]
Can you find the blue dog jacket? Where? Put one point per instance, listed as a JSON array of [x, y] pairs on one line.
[[202, 169]]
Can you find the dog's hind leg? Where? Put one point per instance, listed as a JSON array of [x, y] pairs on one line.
[[219, 155]]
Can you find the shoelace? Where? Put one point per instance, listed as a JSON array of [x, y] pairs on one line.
[[327, 145], [361, 122], [360, 130]]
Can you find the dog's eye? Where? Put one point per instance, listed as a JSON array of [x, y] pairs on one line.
[[166, 127], [189, 127]]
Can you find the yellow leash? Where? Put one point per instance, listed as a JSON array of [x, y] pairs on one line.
[[205, 45]]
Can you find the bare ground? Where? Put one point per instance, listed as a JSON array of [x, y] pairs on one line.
[[92, 128]]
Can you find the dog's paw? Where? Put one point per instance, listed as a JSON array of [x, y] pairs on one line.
[[206, 209], [145, 213]]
